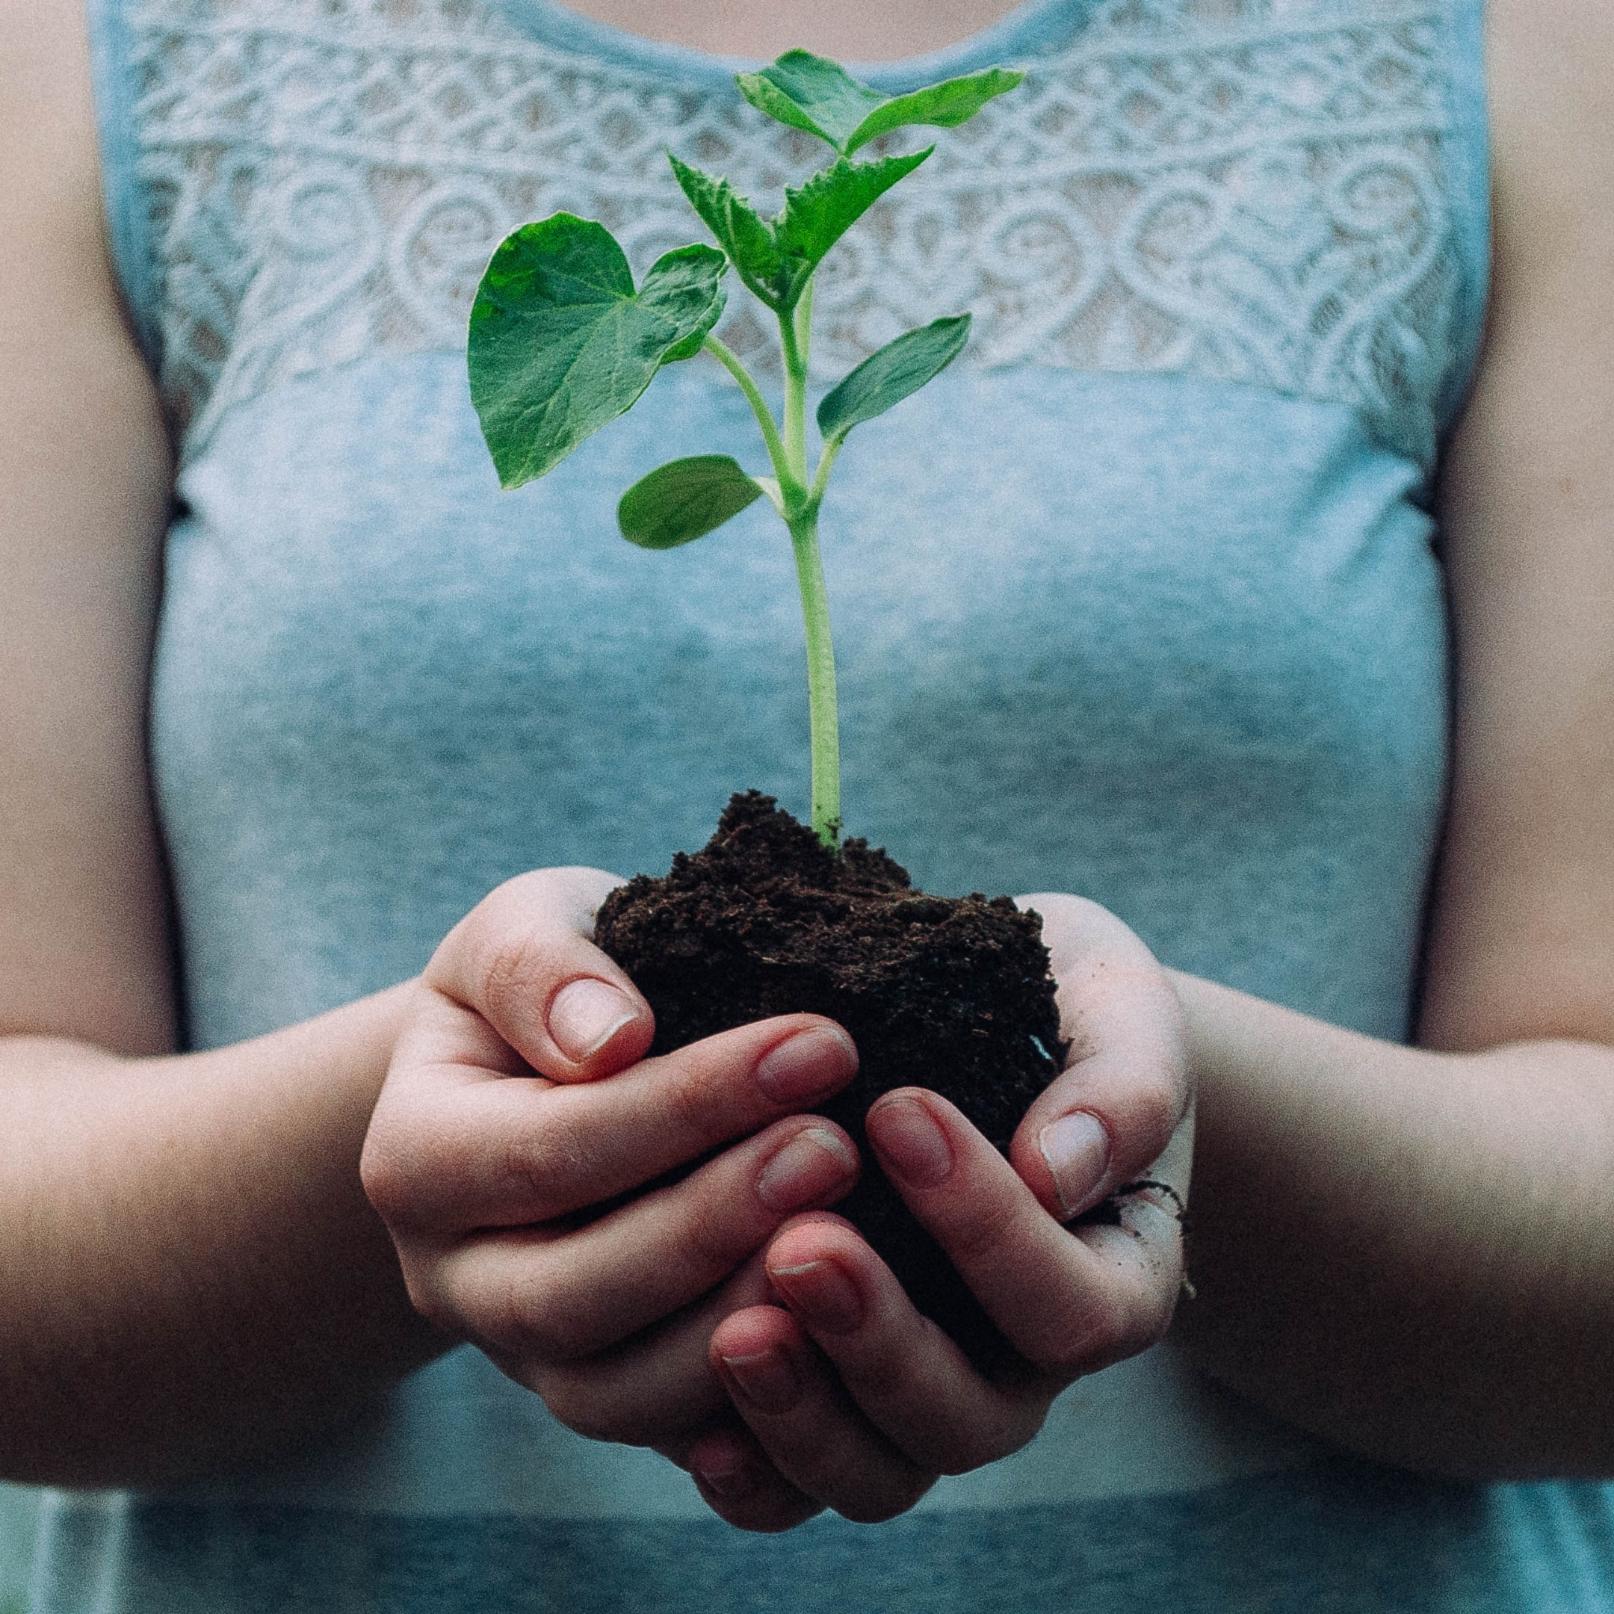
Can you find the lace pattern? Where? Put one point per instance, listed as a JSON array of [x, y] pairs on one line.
[[1244, 190]]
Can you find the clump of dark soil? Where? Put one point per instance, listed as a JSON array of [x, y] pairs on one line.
[[950, 994]]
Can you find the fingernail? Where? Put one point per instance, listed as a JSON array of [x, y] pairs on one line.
[[585, 1014], [911, 1143], [1077, 1149], [810, 1166], [767, 1379], [728, 1484], [806, 1065], [822, 1293]]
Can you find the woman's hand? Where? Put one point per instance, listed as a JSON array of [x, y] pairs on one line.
[[494, 1146], [856, 1402]]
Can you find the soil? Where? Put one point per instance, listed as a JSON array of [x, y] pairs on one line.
[[949, 994]]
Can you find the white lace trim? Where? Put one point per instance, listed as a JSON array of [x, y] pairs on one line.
[[1242, 190]]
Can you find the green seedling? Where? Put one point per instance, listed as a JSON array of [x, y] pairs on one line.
[[561, 341]]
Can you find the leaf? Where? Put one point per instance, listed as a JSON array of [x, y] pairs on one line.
[[941, 106], [813, 93], [741, 231], [775, 257], [818, 214], [684, 500], [560, 343], [893, 373]]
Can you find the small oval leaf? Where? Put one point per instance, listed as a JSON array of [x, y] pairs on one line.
[[684, 500], [939, 106], [894, 372], [560, 343]]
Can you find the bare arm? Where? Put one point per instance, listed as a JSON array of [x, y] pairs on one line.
[[1412, 1250], [191, 1277], [189, 1272]]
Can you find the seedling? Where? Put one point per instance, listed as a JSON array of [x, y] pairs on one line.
[[562, 342]]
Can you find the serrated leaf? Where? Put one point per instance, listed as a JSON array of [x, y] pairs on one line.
[[560, 343], [940, 106], [813, 93], [894, 372], [741, 231], [818, 214], [684, 500]]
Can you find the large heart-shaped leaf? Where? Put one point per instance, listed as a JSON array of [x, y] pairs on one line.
[[894, 372], [813, 93], [560, 343], [684, 500]]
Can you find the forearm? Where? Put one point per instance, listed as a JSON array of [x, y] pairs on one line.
[[1409, 1252], [190, 1276]]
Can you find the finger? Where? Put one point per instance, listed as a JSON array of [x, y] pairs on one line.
[[524, 960], [450, 1151], [806, 1424], [535, 1292], [656, 1388], [905, 1375], [738, 1482], [1069, 1300], [1124, 1091]]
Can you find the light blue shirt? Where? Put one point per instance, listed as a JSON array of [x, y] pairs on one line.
[[1141, 600]]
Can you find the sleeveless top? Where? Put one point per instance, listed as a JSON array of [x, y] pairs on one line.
[[1141, 599]]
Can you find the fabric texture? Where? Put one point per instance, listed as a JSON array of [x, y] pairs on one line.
[[1141, 599]]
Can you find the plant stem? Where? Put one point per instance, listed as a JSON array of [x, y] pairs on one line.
[[826, 460], [792, 483], [821, 704], [795, 337], [795, 333]]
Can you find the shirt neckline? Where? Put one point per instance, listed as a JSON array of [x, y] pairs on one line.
[[1020, 30]]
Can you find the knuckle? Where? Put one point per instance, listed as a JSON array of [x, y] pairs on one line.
[[1077, 1338], [1060, 904], [535, 1320], [429, 1301], [714, 1237], [514, 973], [576, 1403], [694, 1100], [992, 1444], [984, 1234], [884, 1376], [540, 1170], [1155, 1102], [388, 1180]]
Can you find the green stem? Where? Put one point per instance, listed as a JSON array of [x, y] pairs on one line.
[[804, 319], [822, 716], [826, 461], [795, 335], [791, 481]]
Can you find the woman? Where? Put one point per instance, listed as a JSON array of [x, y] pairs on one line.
[[1174, 639]]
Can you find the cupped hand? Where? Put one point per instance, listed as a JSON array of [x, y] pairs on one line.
[[851, 1399], [495, 1149]]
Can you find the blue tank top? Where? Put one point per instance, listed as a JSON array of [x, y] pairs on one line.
[[1142, 600]]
